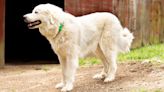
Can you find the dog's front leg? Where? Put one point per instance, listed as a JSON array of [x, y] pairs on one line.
[[62, 62], [69, 71]]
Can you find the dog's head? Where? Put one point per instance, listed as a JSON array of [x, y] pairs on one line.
[[43, 15]]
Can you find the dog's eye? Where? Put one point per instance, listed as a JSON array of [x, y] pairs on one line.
[[36, 12]]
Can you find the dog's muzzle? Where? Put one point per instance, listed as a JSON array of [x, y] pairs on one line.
[[31, 24]]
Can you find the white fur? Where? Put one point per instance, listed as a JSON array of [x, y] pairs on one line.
[[99, 33]]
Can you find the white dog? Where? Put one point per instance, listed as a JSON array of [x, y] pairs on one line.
[[73, 37]]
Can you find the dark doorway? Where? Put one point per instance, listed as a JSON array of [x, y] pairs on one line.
[[22, 44]]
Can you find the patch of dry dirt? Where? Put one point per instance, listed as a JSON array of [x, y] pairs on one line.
[[130, 77]]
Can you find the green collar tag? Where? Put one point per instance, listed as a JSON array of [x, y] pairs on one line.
[[60, 27]]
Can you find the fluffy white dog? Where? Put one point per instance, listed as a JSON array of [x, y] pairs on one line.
[[73, 37]]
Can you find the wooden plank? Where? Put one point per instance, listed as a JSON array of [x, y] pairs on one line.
[[162, 22], [137, 32], [2, 19], [155, 21], [144, 22]]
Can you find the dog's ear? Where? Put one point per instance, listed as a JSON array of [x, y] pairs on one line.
[[52, 20]]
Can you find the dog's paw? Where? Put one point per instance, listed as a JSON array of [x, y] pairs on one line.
[[99, 76], [67, 88], [59, 85], [109, 79]]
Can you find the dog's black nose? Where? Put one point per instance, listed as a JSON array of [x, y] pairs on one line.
[[25, 18]]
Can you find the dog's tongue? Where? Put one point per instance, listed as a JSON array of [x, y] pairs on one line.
[[29, 25], [33, 23]]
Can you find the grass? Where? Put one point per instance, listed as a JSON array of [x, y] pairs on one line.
[[89, 61], [146, 90], [151, 53]]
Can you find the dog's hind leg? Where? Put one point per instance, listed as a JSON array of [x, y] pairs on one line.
[[100, 55], [112, 66], [107, 45]]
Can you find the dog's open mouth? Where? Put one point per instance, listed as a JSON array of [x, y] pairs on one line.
[[35, 23]]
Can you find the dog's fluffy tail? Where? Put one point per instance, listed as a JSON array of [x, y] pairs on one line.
[[125, 40]]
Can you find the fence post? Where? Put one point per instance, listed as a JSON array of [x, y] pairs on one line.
[[2, 25]]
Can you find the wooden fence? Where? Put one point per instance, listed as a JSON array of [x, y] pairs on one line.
[[145, 18]]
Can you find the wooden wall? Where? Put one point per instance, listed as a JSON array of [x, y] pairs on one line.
[[2, 32], [145, 18], [82, 7]]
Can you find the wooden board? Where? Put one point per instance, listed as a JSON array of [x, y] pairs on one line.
[[2, 5]]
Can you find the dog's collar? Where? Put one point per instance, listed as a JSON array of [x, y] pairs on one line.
[[60, 27]]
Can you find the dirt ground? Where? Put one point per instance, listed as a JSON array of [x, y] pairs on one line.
[[130, 77]]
